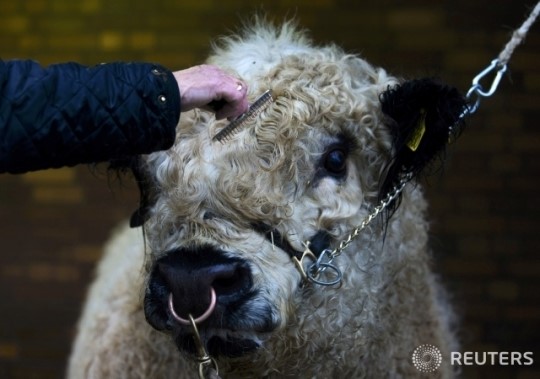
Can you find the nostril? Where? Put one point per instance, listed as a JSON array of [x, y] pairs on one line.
[[232, 282]]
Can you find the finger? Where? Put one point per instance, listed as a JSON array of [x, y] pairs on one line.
[[234, 101], [216, 105], [232, 110]]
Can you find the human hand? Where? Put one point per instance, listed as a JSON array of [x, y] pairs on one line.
[[206, 86]]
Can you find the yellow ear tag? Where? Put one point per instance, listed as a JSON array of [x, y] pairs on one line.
[[418, 132]]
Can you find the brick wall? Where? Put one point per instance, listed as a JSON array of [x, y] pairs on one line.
[[484, 207]]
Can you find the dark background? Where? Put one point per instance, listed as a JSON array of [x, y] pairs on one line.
[[484, 207]]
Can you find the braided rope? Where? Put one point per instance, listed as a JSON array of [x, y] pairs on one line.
[[518, 36]]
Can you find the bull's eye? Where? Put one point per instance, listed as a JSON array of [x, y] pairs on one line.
[[335, 162]]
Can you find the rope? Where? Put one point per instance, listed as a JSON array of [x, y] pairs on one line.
[[499, 65], [518, 36]]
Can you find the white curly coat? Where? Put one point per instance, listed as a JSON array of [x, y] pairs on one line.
[[389, 303]]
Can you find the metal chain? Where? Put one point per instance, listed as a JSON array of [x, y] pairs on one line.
[[326, 258], [384, 203]]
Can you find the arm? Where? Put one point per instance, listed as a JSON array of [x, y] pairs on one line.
[[68, 114]]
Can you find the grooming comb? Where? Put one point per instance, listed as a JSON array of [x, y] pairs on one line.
[[257, 107]]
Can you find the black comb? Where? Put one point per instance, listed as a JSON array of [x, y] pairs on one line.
[[257, 107]]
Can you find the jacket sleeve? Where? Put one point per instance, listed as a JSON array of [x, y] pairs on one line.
[[68, 114]]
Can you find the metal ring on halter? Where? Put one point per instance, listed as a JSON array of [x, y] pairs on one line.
[[199, 319], [312, 273]]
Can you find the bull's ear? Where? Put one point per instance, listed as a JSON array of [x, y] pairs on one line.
[[422, 115]]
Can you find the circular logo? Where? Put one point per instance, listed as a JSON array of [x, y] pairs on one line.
[[427, 358]]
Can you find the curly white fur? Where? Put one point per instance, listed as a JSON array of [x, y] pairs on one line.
[[389, 302]]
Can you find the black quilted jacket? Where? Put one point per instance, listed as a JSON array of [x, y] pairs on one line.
[[68, 114]]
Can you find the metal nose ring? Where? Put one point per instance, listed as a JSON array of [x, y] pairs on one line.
[[199, 319]]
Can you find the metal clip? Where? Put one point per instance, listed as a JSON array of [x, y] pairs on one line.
[[477, 88], [299, 263], [208, 367], [500, 71]]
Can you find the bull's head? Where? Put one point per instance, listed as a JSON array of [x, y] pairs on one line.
[[227, 217]]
